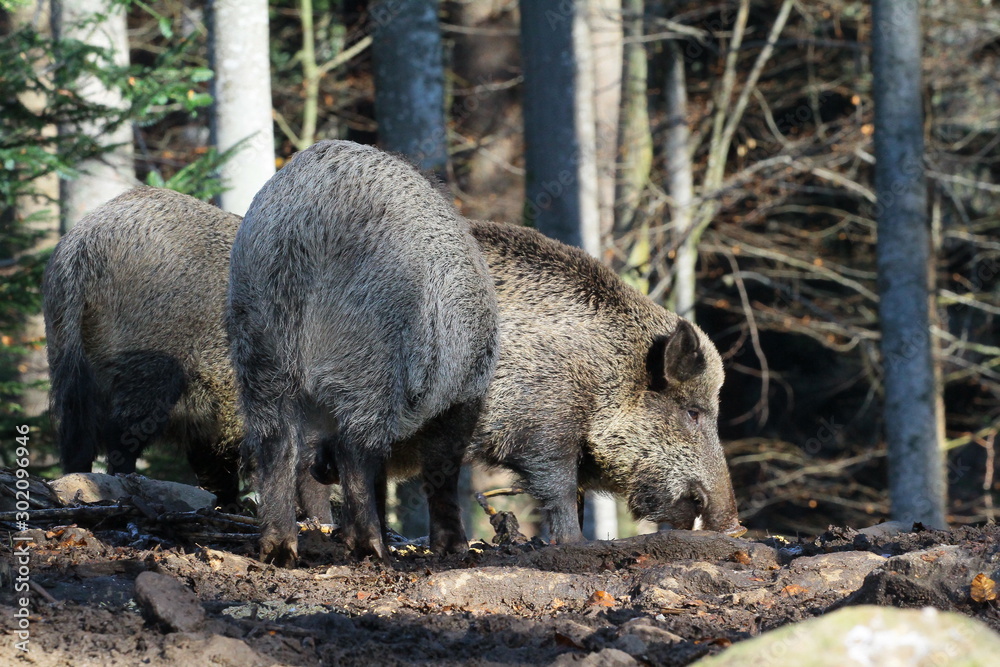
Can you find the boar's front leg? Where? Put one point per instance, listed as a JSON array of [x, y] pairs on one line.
[[554, 482], [563, 517]]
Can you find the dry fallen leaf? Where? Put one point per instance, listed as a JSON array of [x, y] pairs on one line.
[[601, 599], [742, 557], [643, 560], [983, 588], [363, 595], [792, 590]]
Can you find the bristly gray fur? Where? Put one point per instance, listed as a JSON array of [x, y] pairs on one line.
[[133, 302], [360, 309]]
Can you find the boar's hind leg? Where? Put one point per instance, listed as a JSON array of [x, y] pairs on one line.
[[362, 477], [271, 446], [275, 481], [442, 447]]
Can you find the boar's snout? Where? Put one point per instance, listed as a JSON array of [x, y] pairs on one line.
[[694, 508], [722, 515]]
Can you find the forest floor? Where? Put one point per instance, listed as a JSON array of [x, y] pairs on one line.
[[125, 593]]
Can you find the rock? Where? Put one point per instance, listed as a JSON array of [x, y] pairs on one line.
[[937, 577], [871, 636], [80, 540], [698, 579], [572, 633], [632, 645], [166, 601], [231, 564], [213, 651], [609, 657], [654, 635], [33, 537], [514, 587], [887, 529], [754, 596], [645, 629], [663, 597], [92, 487], [841, 573], [926, 562]]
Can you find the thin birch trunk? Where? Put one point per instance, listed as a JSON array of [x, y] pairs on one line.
[[240, 48]]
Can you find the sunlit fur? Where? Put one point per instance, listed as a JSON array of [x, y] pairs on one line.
[[574, 402]]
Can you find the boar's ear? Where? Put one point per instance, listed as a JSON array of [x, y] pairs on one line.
[[676, 358]]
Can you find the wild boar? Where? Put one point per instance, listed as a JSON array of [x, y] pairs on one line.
[[134, 296], [597, 387], [360, 313]]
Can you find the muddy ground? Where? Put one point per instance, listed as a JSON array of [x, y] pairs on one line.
[[127, 592]]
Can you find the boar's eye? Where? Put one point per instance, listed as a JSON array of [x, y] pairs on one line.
[[694, 415]]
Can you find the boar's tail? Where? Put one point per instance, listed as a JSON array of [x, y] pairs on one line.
[[73, 397]]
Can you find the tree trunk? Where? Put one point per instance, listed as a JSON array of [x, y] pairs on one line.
[[635, 143], [35, 212], [486, 108], [239, 49], [680, 181], [916, 481], [561, 174], [605, 20], [561, 148], [725, 120], [409, 108], [112, 173], [409, 82]]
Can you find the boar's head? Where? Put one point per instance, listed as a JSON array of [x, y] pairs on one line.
[[662, 449]]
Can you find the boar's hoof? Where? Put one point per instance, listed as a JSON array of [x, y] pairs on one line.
[[449, 542], [367, 545], [278, 551]]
